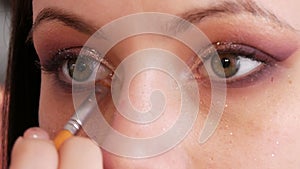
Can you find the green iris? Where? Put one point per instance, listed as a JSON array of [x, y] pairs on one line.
[[225, 65], [81, 69]]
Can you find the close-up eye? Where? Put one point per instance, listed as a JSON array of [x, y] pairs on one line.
[[230, 65], [237, 63], [80, 66], [80, 69]]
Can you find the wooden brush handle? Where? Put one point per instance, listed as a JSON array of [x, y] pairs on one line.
[[61, 137]]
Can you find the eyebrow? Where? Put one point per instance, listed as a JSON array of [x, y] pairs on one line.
[[193, 16], [68, 19], [234, 8]]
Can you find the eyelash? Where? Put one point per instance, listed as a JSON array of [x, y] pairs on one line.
[[235, 49], [54, 65]]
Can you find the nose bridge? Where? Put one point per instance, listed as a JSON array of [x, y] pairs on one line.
[[138, 89], [139, 93], [138, 86], [143, 91], [133, 44]]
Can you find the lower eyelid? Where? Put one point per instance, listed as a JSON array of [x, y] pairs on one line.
[[253, 78], [56, 83], [62, 85]]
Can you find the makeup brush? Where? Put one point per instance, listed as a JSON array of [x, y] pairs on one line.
[[76, 121]]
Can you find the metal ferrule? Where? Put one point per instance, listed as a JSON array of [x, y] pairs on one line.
[[81, 114], [73, 125]]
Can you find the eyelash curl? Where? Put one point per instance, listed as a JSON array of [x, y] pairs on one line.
[[79, 56], [239, 52]]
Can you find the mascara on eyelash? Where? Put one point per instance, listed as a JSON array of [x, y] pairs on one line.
[[60, 57]]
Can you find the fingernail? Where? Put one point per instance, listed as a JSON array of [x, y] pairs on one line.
[[36, 133]]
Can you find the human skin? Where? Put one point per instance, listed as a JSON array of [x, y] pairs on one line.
[[260, 124]]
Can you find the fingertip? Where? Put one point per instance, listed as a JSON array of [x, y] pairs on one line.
[[36, 133], [30, 153], [78, 152]]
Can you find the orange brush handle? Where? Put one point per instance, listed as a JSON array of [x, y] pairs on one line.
[[61, 137]]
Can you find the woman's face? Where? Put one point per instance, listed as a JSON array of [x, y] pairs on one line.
[[258, 44]]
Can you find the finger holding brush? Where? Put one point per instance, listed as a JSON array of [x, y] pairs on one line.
[[36, 150], [76, 121]]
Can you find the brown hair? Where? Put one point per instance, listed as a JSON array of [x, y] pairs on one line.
[[22, 86]]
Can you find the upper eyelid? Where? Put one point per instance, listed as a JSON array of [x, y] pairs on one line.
[[51, 63], [227, 48], [56, 61], [240, 48]]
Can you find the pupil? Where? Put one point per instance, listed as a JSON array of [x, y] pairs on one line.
[[225, 65], [225, 62]]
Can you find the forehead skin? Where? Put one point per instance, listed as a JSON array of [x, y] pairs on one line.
[[101, 12]]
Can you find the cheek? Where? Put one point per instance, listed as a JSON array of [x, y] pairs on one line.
[[284, 134], [283, 140], [175, 159], [55, 106], [259, 127]]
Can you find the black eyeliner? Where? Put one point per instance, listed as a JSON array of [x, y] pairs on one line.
[[55, 62], [267, 61]]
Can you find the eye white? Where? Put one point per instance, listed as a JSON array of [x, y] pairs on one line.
[[247, 66]]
